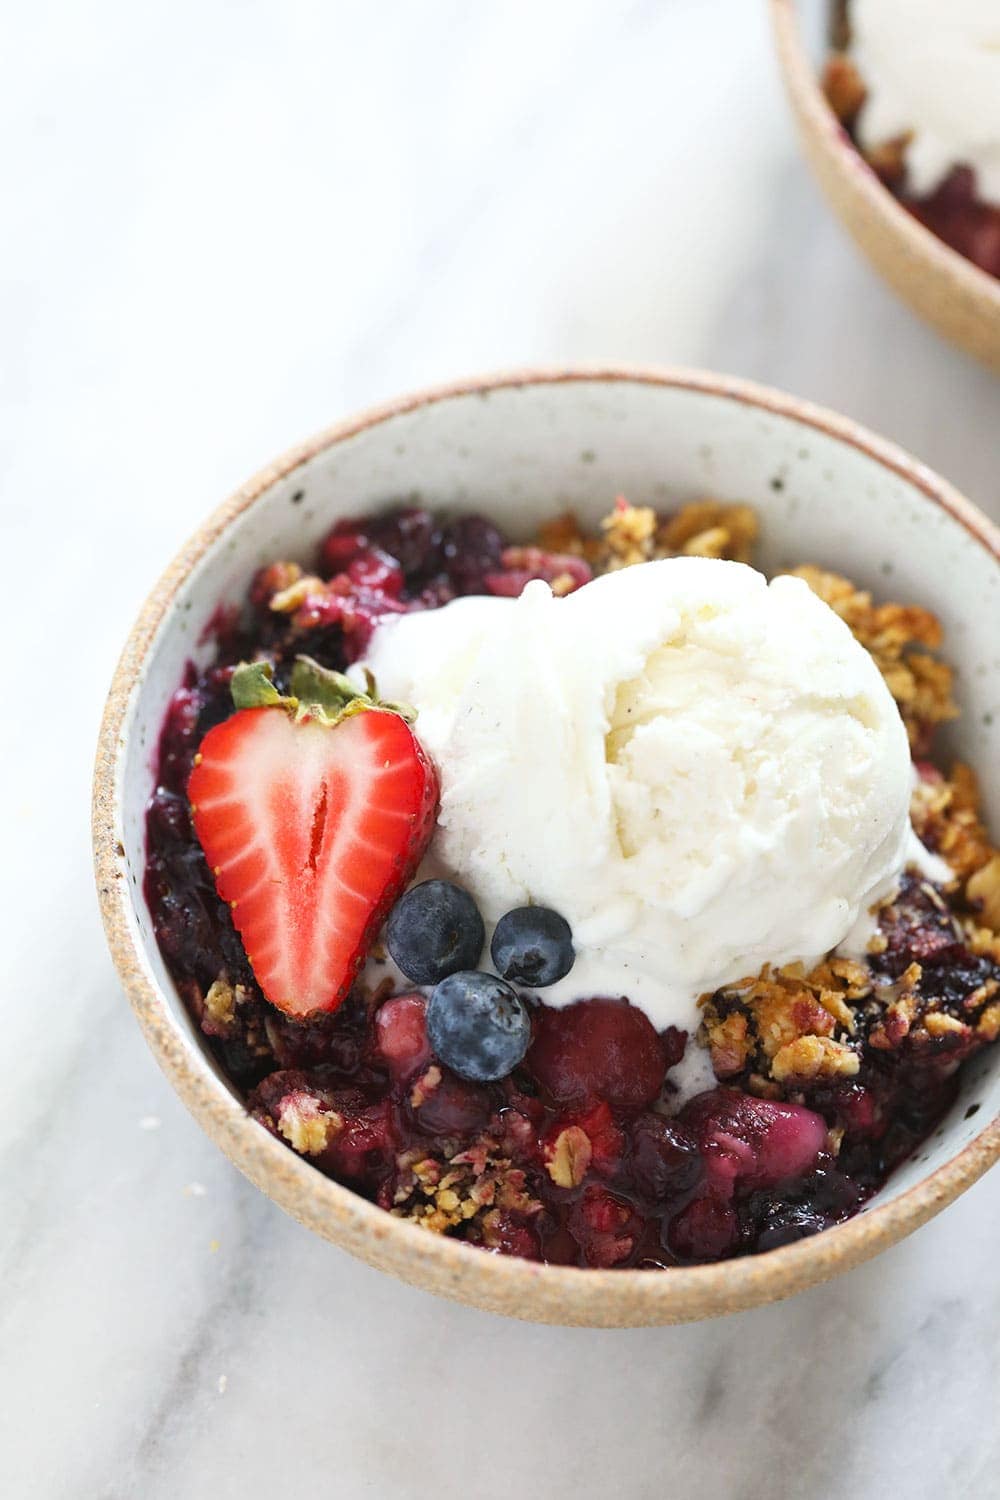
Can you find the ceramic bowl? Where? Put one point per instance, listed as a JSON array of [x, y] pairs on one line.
[[949, 292], [520, 447]]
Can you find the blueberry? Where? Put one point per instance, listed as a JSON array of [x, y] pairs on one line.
[[788, 1224], [471, 547], [478, 1026], [435, 930], [665, 1159], [533, 945]]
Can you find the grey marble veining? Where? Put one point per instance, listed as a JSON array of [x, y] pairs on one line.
[[226, 227]]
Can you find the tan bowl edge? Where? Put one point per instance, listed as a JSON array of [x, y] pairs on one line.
[[951, 293], [517, 1288]]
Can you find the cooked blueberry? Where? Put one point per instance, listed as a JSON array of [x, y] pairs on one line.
[[471, 547], [665, 1160], [533, 945], [435, 930], [788, 1224], [478, 1026]]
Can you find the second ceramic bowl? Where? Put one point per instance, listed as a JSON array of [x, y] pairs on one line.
[[522, 447], [949, 292]]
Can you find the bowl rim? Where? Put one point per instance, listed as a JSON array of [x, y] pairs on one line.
[[546, 1293], [802, 78]]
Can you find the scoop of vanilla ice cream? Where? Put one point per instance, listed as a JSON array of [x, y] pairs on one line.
[[933, 69], [701, 771]]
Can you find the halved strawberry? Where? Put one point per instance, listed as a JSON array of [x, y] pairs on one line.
[[312, 826]]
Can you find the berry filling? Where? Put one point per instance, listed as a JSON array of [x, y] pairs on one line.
[[475, 1108]]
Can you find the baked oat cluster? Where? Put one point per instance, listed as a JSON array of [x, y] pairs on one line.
[[580, 1153], [637, 533], [902, 639], [928, 983]]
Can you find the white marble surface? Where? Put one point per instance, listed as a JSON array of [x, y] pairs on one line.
[[226, 226]]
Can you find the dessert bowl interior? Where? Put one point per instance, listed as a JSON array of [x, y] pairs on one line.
[[520, 448], [951, 293]]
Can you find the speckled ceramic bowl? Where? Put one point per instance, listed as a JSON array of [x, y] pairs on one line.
[[949, 292], [520, 447]]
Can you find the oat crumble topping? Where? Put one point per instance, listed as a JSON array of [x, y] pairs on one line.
[[920, 684], [220, 1002], [472, 1187], [306, 1125], [570, 1158], [636, 533]]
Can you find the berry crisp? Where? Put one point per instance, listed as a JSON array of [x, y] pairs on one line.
[[483, 1113]]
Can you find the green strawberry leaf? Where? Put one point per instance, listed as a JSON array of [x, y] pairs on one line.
[[318, 693], [252, 687]]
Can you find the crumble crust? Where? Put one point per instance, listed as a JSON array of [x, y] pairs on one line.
[[945, 814], [305, 1124], [786, 1025], [786, 1029], [843, 86], [983, 891], [637, 533], [920, 684], [220, 1003], [441, 1190], [570, 1157]]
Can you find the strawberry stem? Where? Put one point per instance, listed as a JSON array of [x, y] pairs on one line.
[[324, 688], [317, 692]]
